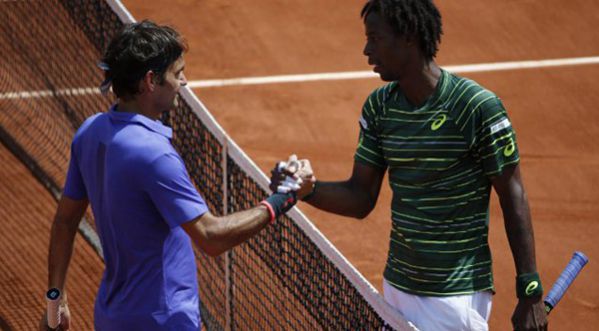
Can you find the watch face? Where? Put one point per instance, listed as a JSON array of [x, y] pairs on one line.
[[53, 294]]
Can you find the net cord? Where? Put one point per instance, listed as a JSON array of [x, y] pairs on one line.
[[387, 313]]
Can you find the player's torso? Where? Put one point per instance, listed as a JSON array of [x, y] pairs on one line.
[[424, 147], [146, 261], [440, 193]]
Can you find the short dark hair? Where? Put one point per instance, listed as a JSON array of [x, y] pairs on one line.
[[420, 18], [137, 49]]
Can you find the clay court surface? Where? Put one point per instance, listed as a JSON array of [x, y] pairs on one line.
[[552, 109]]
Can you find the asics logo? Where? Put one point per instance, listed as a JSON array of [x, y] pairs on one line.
[[509, 149], [438, 122], [531, 287]]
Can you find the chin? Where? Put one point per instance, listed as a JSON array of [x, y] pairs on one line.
[[386, 78]]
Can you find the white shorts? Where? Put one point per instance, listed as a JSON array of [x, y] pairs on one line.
[[455, 313]]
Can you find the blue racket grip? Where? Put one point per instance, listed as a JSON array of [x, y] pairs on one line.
[[578, 261]]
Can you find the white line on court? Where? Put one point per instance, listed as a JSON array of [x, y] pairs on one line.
[[49, 93], [480, 67]]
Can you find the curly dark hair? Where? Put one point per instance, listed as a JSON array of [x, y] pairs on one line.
[[137, 49], [420, 18]]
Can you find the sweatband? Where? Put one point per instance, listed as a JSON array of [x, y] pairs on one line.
[[528, 285], [280, 203]]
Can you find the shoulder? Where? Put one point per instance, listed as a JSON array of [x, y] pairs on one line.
[[89, 126], [90, 123], [467, 95]]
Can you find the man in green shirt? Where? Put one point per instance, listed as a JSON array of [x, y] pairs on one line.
[[445, 141]]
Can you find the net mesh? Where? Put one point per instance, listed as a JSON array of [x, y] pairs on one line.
[[279, 279]]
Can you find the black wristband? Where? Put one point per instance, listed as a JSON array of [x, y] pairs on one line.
[[311, 194], [282, 202], [528, 285]]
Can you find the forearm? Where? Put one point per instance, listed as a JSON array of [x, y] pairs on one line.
[[60, 252], [518, 226], [342, 198], [224, 233]]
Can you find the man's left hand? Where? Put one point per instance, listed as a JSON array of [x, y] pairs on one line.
[[530, 315]]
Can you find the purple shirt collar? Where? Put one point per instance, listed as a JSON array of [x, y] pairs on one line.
[[153, 125]]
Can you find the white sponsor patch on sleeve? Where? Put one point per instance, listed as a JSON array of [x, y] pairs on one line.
[[363, 123], [498, 126]]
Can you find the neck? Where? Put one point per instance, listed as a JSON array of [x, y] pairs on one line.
[[420, 83], [138, 106]]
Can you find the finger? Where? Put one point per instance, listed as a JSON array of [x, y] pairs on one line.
[[293, 164], [65, 319], [306, 164], [293, 167], [281, 165], [283, 189], [293, 185], [276, 167], [289, 182]]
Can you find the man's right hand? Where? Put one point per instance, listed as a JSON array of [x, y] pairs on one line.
[[65, 319], [291, 174]]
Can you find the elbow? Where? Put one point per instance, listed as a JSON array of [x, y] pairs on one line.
[[364, 211], [213, 251], [362, 214], [211, 248], [213, 242]]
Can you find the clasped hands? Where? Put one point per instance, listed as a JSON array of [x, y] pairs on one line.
[[293, 175]]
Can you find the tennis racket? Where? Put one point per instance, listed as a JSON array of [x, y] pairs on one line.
[[578, 261], [53, 308]]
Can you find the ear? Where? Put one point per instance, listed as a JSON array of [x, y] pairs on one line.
[[147, 83]]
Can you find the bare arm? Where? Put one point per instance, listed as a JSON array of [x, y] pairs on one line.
[[530, 312], [516, 215], [64, 228], [355, 197], [215, 235], [62, 235]]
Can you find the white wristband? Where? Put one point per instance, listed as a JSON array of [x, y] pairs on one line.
[[53, 305]]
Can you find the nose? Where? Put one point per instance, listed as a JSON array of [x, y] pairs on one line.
[[183, 79], [367, 49]]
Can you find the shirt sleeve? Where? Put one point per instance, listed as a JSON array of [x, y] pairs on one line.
[[489, 134], [172, 191], [369, 150], [74, 186]]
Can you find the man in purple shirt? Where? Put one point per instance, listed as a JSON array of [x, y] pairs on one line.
[[147, 210]]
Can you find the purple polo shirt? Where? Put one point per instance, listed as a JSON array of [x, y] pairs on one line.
[[140, 194]]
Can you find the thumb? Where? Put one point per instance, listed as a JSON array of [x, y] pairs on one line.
[[65, 319], [293, 164]]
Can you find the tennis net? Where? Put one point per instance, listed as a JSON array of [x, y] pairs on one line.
[[287, 277]]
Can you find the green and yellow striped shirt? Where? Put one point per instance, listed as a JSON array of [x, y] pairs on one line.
[[440, 159]]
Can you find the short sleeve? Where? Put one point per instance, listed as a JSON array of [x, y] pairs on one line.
[[74, 186], [369, 148], [171, 190], [489, 134]]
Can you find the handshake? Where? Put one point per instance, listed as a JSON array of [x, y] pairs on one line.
[[295, 176], [290, 180]]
